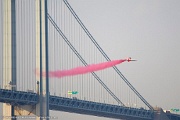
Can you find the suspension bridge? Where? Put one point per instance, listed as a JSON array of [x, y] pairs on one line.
[[38, 36]]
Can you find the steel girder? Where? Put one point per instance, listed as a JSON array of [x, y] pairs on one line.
[[173, 116], [18, 97], [80, 106], [98, 109]]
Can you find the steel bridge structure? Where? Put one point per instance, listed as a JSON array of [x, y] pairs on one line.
[[38, 36]]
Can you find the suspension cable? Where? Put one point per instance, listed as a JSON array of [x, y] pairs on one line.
[[82, 60], [105, 55]]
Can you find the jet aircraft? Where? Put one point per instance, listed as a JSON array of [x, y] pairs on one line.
[[129, 59]]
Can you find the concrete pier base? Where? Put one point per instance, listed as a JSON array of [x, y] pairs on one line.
[[159, 114]]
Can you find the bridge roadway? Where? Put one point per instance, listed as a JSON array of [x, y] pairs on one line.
[[80, 106]]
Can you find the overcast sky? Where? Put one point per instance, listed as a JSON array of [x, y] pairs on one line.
[[146, 30]]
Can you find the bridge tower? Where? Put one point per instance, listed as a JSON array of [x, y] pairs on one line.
[[9, 51], [9, 60]]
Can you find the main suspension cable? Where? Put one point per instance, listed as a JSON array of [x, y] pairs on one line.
[[82, 60], [105, 55]]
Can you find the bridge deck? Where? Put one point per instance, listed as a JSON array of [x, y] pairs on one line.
[[80, 106], [98, 109], [76, 106], [18, 97]]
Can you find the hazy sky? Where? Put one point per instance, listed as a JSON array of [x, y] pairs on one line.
[[146, 30]]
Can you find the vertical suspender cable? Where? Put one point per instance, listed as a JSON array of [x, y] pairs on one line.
[[55, 44], [1, 41], [31, 48], [47, 65], [80, 47], [82, 88], [21, 43], [41, 84], [30, 43], [71, 60], [34, 47], [28, 46], [65, 32], [3, 50], [23, 46], [61, 82]]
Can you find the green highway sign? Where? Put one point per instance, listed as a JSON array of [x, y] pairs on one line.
[[175, 110], [72, 92]]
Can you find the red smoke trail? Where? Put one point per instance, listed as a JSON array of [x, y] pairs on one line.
[[84, 69]]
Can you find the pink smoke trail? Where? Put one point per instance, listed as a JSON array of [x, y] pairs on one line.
[[83, 69]]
